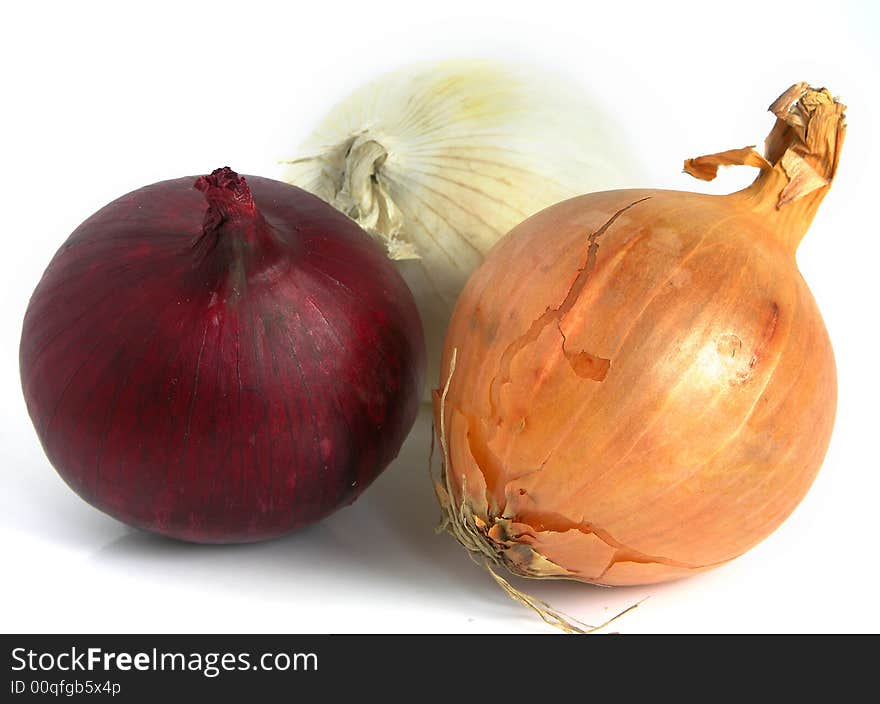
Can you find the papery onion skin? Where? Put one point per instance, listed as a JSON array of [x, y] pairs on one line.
[[220, 371], [638, 385]]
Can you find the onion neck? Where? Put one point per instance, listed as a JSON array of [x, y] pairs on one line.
[[237, 243], [353, 181], [800, 160], [789, 222], [364, 197]]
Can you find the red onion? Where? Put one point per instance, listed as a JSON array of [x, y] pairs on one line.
[[224, 373]]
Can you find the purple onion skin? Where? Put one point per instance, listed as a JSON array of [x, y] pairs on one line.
[[222, 371]]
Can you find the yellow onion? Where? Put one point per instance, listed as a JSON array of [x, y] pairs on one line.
[[637, 385]]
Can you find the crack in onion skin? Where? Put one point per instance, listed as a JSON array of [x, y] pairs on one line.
[[225, 371], [714, 412]]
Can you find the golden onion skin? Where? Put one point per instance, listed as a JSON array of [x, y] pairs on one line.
[[643, 385]]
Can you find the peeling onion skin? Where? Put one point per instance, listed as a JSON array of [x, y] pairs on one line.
[[643, 385], [222, 385]]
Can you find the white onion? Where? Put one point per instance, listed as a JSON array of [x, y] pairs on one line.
[[438, 161]]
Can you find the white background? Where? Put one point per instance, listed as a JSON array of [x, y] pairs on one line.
[[102, 98]]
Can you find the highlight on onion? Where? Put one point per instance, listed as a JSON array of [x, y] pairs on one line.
[[439, 160], [638, 385], [221, 359]]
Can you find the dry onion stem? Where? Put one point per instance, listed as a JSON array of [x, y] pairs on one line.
[[638, 384]]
